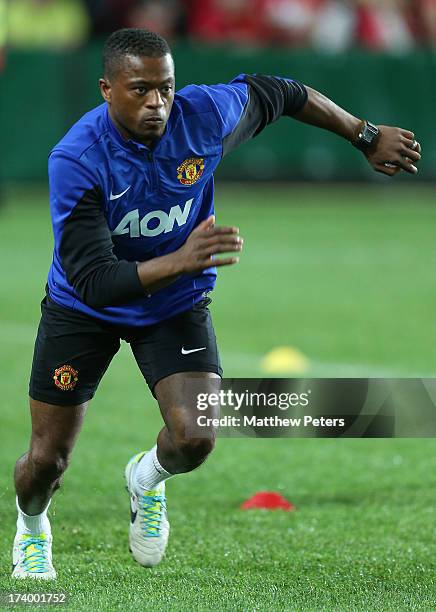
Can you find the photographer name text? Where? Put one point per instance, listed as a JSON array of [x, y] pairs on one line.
[[268, 421]]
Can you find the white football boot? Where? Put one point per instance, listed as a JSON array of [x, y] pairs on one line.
[[149, 527], [32, 557]]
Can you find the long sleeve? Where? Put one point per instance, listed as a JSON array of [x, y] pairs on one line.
[[246, 105], [83, 239]]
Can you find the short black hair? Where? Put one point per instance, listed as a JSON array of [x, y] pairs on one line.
[[131, 41]]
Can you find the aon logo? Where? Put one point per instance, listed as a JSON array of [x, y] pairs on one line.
[[154, 223]]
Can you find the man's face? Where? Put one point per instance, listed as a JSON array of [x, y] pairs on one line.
[[140, 96]]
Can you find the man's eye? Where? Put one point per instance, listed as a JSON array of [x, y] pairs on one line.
[[140, 90], [166, 89]]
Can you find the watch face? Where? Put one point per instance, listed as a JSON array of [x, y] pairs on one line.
[[368, 135], [370, 132]]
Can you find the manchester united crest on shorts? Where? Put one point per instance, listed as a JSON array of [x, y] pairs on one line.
[[66, 378], [190, 170]]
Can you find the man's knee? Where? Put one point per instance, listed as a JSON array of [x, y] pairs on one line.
[[193, 451], [48, 465]]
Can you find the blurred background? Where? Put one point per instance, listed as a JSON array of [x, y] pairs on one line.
[[375, 57]]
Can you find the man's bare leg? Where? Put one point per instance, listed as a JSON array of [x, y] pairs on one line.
[[38, 472], [37, 476], [181, 447]]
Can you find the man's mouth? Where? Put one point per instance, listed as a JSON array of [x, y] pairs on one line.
[[153, 120]]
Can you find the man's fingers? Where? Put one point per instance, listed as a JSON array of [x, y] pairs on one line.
[[224, 261], [207, 229], [412, 169], [385, 170], [391, 169], [406, 164], [219, 230], [225, 248], [398, 150], [407, 134], [410, 143], [388, 170], [212, 231], [411, 149], [223, 240], [411, 154], [211, 262], [222, 245], [207, 241]]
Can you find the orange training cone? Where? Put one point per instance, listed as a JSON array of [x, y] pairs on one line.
[[268, 500]]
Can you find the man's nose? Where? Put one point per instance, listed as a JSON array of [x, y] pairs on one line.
[[153, 99]]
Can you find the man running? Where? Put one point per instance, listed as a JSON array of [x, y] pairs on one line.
[[135, 256]]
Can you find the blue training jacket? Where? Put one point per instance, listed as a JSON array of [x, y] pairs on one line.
[[115, 202]]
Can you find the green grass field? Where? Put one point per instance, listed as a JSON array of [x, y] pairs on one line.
[[347, 276]]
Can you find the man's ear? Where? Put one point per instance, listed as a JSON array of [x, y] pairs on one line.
[[106, 90]]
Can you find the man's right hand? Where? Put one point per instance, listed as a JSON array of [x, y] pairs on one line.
[[206, 241], [197, 254]]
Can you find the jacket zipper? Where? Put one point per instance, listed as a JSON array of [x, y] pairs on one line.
[[154, 177]]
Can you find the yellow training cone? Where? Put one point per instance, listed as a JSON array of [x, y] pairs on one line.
[[285, 360]]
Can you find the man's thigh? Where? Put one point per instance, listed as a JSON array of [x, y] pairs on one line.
[[72, 352], [184, 343]]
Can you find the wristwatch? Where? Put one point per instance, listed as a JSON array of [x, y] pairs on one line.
[[368, 135]]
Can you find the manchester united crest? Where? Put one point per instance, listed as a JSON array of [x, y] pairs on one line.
[[65, 378], [190, 170]]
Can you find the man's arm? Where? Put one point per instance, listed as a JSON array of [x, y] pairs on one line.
[[394, 146], [197, 254], [86, 251], [269, 98], [101, 279]]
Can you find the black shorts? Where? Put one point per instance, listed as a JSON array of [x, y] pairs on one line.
[[73, 350]]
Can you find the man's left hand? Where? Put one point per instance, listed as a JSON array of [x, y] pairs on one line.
[[395, 150]]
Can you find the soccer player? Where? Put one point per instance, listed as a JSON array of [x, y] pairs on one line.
[[132, 206]]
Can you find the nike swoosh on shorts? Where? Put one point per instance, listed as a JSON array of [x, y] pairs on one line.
[[187, 351]]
